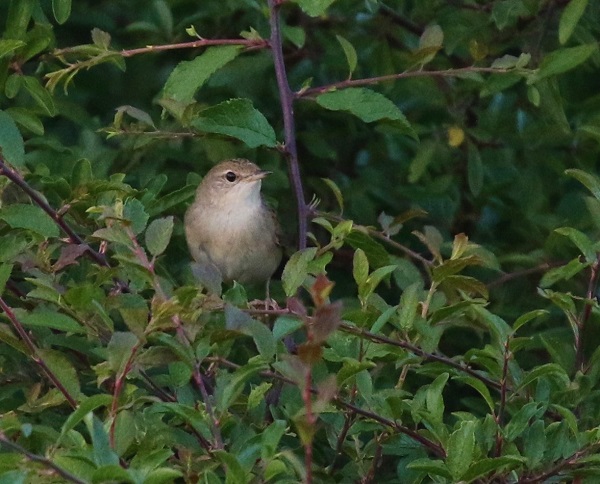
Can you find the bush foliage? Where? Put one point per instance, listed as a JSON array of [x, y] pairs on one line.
[[433, 169]]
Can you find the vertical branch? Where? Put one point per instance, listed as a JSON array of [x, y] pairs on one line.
[[286, 97], [311, 420], [587, 311], [117, 393], [503, 389]]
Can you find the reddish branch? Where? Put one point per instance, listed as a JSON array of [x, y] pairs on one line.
[[119, 382], [9, 444], [286, 97], [74, 238], [35, 355]]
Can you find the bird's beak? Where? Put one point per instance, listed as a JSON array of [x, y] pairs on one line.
[[259, 175]]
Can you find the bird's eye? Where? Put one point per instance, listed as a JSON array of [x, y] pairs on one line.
[[230, 176]]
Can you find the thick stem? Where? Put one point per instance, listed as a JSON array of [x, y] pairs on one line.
[[286, 97]]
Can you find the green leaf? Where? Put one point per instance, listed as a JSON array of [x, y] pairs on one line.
[[85, 406], [189, 76], [270, 438], [367, 105], [430, 43], [520, 421], [296, 270], [296, 35], [591, 182], [158, 235], [48, 318], [350, 54], [239, 119], [9, 45], [336, 192], [534, 443], [120, 348], [5, 271], [257, 394], [562, 273], [64, 370], [480, 387], [360, 267], [171, 200], [61, 10], [39, 93], [314, 8], [19, 15], [550, 370], [351, 367], [12, 148], [238, 320], [235, 473], [27, 119], [30, 217], [529, 316], [434, 399], [461, 446], [135, 212], [582, 241], [564, 60], [103, 455], [482, 467], [100, 38], [569, 19], [375, 252], [409, 302]]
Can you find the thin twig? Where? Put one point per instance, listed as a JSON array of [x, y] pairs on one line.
[[340, 403], [509, 276], [502, 406], [9, 444], [35, 355], [286, 97], [348, 328], [253, 44], [74, 238], [564, 464], [379, 235], [197, 375], [315, 91]]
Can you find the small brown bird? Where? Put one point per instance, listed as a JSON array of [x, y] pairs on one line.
[[229, 228]]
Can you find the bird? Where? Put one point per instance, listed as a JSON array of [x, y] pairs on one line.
[[230, 230]]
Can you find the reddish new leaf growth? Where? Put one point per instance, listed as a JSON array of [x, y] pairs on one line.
[[321, 289], [326, 320]]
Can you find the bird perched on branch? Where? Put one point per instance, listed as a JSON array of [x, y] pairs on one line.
[[231, 233]]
